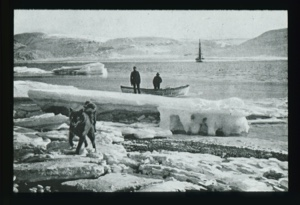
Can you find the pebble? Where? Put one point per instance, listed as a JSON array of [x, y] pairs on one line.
[[15, 190], [93, 155], [40, 186], [32, 190], [277, 188], [170, 179], [49, 156], [83, 152], [41, 190], [284, 182], [16, 185], [26, 156], [47, 187], [223, 155], [14, 178]]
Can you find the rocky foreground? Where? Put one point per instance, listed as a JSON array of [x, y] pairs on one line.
[[139, 157]]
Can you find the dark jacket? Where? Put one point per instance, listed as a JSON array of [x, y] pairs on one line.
[[157, 80], [135, 77]]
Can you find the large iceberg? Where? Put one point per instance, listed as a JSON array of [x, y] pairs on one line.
[[91, 68], [183, 114]]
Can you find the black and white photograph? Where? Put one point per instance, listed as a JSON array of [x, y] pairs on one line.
[[150, 100]]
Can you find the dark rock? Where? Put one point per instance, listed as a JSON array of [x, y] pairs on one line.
[[204, 145], [272, 174]]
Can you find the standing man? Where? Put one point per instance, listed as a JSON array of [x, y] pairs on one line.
[[135, 80], [157, 81]]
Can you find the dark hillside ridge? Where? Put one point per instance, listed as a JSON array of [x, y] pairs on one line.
[[37, 46], [270, 43]]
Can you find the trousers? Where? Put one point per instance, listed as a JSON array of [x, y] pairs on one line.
[[136, 86]]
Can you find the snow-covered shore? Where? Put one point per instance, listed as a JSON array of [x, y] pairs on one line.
[[141, 155], [45, 159]]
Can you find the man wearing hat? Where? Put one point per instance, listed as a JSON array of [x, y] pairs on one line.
[[157, 81], [135, 80]]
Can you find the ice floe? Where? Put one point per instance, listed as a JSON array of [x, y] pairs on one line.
[[91, 68], [21, 87], [226, 116], [26, 70]]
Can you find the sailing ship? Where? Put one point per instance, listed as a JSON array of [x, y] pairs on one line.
[[200, 58]]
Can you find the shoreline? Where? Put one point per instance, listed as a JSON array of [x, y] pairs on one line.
[[137, 155], [208, 59], [249, 146]]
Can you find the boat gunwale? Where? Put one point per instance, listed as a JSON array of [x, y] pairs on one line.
[[163, 89]]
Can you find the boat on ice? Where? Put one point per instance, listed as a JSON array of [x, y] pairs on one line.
[[169, 92], [200, 58]]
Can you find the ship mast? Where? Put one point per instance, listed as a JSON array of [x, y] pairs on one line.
[[200, 58]]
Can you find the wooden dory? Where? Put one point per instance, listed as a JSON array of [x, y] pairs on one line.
[[169, 92]]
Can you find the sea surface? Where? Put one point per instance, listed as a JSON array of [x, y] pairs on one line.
[[254, 80], [264, 83]]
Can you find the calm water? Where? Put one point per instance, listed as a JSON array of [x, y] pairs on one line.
[[209, 80], [259, 81]]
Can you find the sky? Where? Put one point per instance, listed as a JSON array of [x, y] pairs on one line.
[[177, 24]]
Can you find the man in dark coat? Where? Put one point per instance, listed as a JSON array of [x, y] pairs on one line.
[[135, 80], [157, 81]]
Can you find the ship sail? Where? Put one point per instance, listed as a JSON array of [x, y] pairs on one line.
[[200, 58]]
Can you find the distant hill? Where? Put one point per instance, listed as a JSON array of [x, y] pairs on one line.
[[37, 46], [270, 43], [42, 46]]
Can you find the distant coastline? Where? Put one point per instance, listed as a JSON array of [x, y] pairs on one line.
[[44, 47], [208, 59]]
